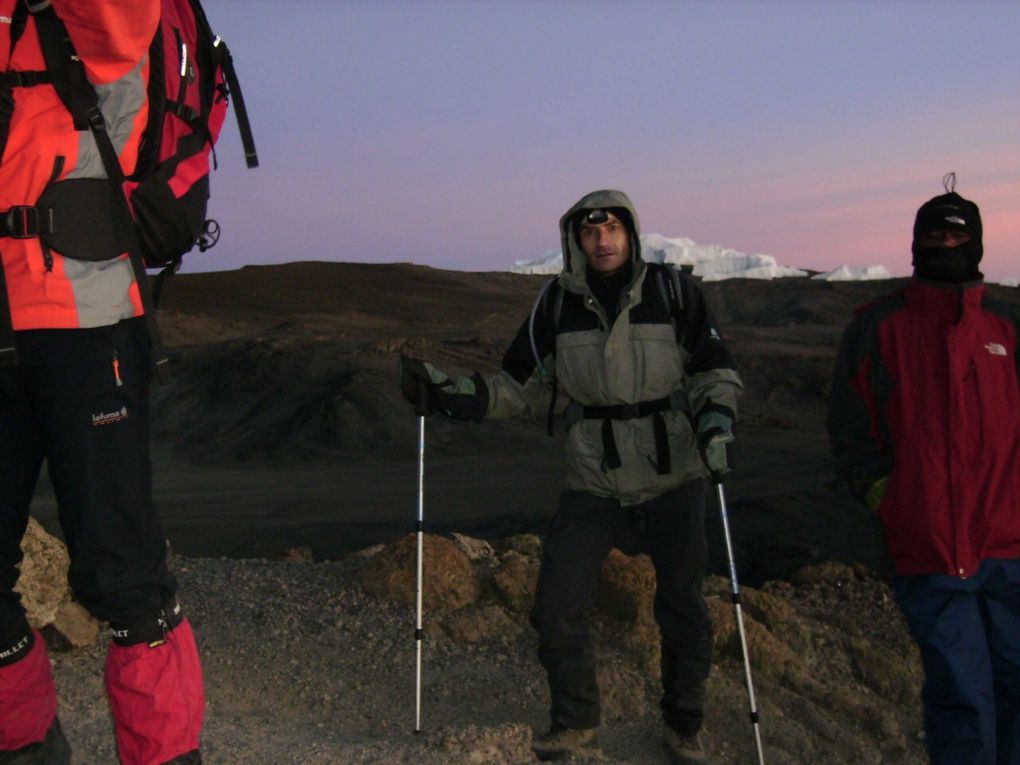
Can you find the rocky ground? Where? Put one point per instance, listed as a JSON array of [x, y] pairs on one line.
[[314, 662]]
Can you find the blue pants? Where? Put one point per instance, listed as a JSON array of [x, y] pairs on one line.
[[968, 631]]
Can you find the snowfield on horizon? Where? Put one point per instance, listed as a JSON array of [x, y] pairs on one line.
[[854, 274], [713, 262]]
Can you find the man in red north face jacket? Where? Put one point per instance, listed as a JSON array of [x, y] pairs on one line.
[[925, 425], [77, 396]]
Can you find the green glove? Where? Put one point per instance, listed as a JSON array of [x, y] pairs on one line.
[[873, 496], [715, 434], [430, 390]]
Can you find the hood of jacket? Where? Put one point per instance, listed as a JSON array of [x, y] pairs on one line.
[[575, 264]]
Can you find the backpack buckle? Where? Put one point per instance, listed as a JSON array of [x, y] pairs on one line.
[[630, 411], [22, 222]]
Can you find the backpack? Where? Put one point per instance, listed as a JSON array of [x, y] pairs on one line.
[[159, 212], [191, 76]]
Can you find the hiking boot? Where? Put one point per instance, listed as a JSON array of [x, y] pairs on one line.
[[683, 750], [191, 758], [559, 742], [52, 750]]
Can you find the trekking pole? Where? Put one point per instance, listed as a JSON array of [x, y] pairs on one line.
[[419, 530], [735, 590]]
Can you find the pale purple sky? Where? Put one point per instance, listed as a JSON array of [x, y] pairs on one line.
[[454, 134]]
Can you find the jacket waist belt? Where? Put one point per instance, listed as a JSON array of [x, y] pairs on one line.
[[676, 401]]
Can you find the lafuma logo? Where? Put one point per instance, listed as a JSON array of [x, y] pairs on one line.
[[106, 418], [996, 349]]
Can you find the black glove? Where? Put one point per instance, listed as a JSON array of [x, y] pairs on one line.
[[415, 377], [715, 434], [430, 390]]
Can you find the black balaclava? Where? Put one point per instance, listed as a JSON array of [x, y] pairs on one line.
[[948, 264]]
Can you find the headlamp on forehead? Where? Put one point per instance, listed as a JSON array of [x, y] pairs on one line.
[[595, 217]]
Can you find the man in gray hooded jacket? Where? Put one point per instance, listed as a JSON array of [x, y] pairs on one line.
[[653, 397]]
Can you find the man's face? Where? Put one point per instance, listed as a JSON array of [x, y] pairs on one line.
[[944, 238], [606, 245]]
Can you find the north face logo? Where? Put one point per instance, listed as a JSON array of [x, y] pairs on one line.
[[106, 418], [996, 349]]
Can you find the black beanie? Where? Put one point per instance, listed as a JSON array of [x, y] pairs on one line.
[[948, 211], [954, 213]]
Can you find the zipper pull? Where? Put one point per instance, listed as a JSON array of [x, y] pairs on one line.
[[116, 369]]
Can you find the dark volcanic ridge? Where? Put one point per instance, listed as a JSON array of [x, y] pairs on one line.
[[283, 425]]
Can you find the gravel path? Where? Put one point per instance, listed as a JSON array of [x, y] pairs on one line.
[[303, 667]]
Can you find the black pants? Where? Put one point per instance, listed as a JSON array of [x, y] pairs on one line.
[[671, 529], [79, 400]]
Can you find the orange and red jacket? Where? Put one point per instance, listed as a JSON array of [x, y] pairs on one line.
[[927, 392], [112, 39]]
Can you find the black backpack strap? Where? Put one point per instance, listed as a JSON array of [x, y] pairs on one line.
[[69, 79], [552, 317], [221, 55], [19, 20], [542, 302], [82, 101], [12, 79], [251, 158], [554, 324], [557, 311], [667, 281]]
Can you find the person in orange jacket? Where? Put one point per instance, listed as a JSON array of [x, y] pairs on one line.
[[74, 386]]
